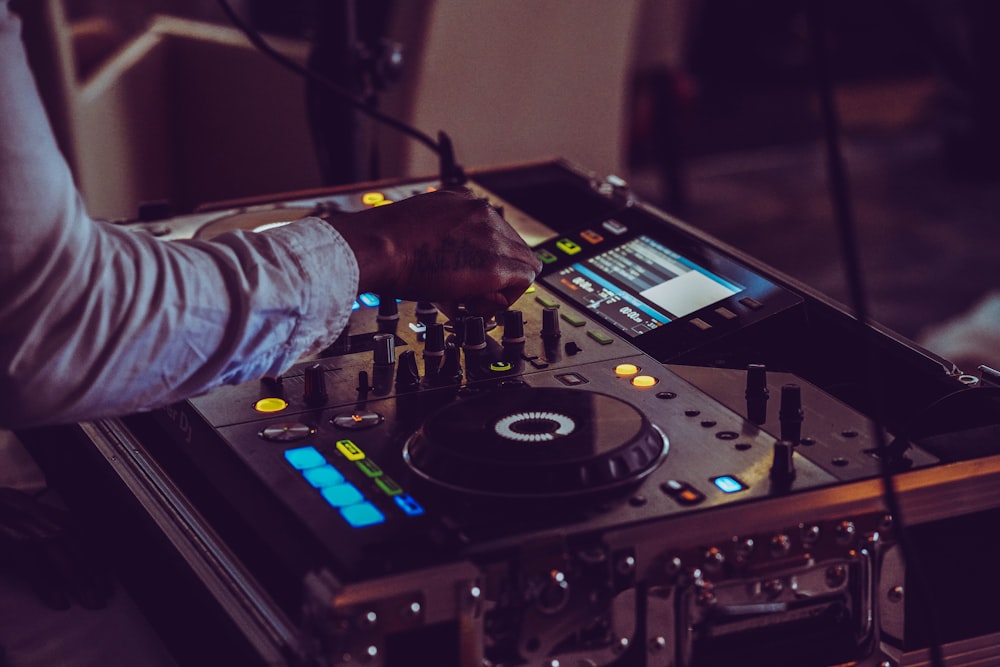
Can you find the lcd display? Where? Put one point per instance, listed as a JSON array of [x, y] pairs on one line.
[[641, 285]]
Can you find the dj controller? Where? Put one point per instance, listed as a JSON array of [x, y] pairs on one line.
[[664, 453]]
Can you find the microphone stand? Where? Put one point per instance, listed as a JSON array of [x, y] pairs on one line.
[[344, 137]]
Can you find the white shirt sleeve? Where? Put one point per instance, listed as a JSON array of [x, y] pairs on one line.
[[97, 320]]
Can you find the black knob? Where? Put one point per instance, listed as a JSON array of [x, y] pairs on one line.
[[474, 346], [388, 315], [407, 375], [457, 336], [513, 340], [314, 393], [426, 313], [451, 368], [513, 327], [757, 393], [384, 361], [475, 334], [790, 413], [433, 350], [550, 324], [384, 349], [434, 343], [783, 463]]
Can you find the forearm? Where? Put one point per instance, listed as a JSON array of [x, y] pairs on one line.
[[128, 323], [98, 320]]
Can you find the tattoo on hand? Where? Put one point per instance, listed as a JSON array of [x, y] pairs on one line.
[[448, 255]]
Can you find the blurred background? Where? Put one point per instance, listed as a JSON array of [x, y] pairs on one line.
[[707, 107]]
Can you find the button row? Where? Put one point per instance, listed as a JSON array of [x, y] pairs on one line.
[[341, 494], [574, 320], [571, 247]]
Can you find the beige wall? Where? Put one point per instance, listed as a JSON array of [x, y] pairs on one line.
[[515, 80], [189, 112]]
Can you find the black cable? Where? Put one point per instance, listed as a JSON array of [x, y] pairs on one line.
[[451, 172], [841, 200]]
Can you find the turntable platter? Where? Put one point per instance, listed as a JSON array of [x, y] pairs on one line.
[[535, 442], [252, 221]]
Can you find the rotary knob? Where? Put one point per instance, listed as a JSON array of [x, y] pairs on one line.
[[782, 465], [790, 413], [550, 324], [388, 315], [757, 393], [407, 375], [433, 351], [426, 313], [314, 393], [513, 340], [474, 348], [384, 362]]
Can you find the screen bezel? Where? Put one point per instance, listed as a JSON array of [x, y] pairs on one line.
[[758, 299]]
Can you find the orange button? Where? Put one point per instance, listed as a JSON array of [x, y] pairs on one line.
[[644, 381], [689, 496], [626, 370]]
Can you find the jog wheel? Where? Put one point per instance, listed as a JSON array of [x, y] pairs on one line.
[[535, 443], [252, 221]]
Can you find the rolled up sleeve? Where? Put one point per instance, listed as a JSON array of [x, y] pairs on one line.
[[98, 320]]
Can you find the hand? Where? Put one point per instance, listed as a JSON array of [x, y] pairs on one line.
[[447, 247]]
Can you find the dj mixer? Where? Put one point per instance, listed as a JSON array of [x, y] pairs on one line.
[[664, 453]]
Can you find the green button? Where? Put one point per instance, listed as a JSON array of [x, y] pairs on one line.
[[388, 486], [601, 338], [546, 256], [369, 468], [545, 302], [573, 319]]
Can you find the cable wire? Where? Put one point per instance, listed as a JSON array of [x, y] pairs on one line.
[[844, 216], [451, 173]]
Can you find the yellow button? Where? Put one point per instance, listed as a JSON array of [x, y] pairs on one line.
[[383, 202], [626, 370], [644, 381], [568, 246], [350, 451], [372, 198], [269, 405]]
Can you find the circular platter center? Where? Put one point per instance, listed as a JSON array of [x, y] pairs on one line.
[[535, 442], [534, 426]]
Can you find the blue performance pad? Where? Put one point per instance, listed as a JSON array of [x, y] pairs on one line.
[[304, 457], [362, 514], [342, 495], [323, 476], [728, 484]]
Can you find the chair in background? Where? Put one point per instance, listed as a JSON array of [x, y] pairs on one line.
[[185, 112]]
